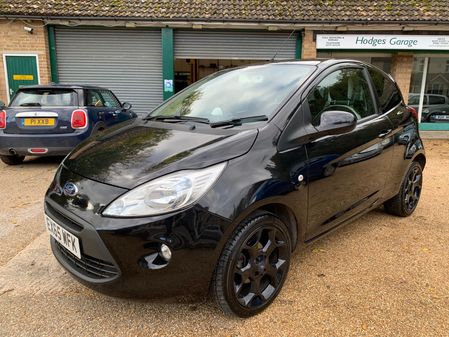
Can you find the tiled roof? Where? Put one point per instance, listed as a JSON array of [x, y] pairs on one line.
[[236, 10]]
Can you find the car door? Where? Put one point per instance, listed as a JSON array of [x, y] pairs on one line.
[[113, 108], [97, 107], [346, 172], [405, 135]]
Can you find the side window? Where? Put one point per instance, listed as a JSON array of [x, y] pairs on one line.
[[109, 99], [344, 90], [94, 99], [436, 100], [386, 90]]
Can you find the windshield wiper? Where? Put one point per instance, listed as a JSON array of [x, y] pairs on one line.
[[175, 119], [239, 121]]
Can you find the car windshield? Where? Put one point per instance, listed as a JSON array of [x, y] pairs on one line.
[[45, 98], [237, 94]]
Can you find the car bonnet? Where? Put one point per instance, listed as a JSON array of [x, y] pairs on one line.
[[133, 155]]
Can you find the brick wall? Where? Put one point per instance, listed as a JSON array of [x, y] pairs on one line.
[[308, 45], [15, 40], [401, 70]]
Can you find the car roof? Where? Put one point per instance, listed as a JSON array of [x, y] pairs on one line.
[[416, 94], [325, 62], [62, 86]]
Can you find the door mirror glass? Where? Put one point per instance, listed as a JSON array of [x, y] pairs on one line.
[[126, 105], [336, 122]]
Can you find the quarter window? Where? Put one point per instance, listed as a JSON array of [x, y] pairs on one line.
[[343, 90], [386, 90]]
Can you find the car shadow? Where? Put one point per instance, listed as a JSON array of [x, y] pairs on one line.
[[43, 160]]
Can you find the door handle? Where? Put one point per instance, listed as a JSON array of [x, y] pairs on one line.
[[384, 133]]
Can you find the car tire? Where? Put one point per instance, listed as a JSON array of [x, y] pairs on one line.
[[253, 266], [404, 203], [12, 160]]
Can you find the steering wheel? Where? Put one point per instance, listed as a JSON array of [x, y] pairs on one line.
[[342, 108]]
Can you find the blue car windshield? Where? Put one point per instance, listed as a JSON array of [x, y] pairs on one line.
[[45, 98], [237, 93]]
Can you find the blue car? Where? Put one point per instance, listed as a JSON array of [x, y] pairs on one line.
[[50, 120]]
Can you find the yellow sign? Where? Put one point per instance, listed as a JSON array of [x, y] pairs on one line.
[[22, 77]]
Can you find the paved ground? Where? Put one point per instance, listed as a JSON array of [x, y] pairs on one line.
[[379, 276]]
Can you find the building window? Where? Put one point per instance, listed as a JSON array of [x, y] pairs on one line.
[[447, 66], [418, 65], [435, 100], [380, 60]]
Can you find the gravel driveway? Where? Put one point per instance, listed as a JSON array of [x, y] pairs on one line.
[[378, 276]]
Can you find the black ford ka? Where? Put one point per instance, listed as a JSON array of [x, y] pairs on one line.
[[219, 184]]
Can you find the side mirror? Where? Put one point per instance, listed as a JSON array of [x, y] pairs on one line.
[[2, 104], [336, 122], [126, 105]]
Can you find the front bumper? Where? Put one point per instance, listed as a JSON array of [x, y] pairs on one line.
[[56, 144], [118, 254]]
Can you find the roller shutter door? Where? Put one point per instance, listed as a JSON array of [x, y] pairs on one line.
[[128, 62], [234, 45]]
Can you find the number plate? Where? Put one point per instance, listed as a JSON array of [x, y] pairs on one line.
[[38, 122], [65, 238], [441, 117]]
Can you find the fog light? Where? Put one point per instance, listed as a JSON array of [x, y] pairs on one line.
[[165, 252]]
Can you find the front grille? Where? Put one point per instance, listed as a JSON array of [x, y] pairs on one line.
[[61, 218], [89, 266]]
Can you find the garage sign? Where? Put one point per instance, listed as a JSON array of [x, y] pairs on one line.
[[377, 41], [16, 77]]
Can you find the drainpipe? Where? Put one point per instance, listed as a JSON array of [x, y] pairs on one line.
[[52, 54]]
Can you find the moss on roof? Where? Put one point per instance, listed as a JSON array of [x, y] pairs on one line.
[[236, 10]]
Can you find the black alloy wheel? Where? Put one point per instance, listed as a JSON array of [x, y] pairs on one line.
[[253, 266], [412, 188], [404, 203]]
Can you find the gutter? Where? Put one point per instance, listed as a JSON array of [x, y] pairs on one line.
[[218, 21], [198, 24]]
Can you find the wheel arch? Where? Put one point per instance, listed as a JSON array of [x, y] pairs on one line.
[[287, 216], [98, 127], [284, 212], [421, 159]]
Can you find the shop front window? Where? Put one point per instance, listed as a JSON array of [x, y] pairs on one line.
[[188, 71], [429, 91]]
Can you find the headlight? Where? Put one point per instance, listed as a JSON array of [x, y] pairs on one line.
[[165, 194], [425, 111]]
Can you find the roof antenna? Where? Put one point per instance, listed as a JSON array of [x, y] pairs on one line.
[[283, 44]]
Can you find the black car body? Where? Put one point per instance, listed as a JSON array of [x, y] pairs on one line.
[[50, 120], [293, 177]]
